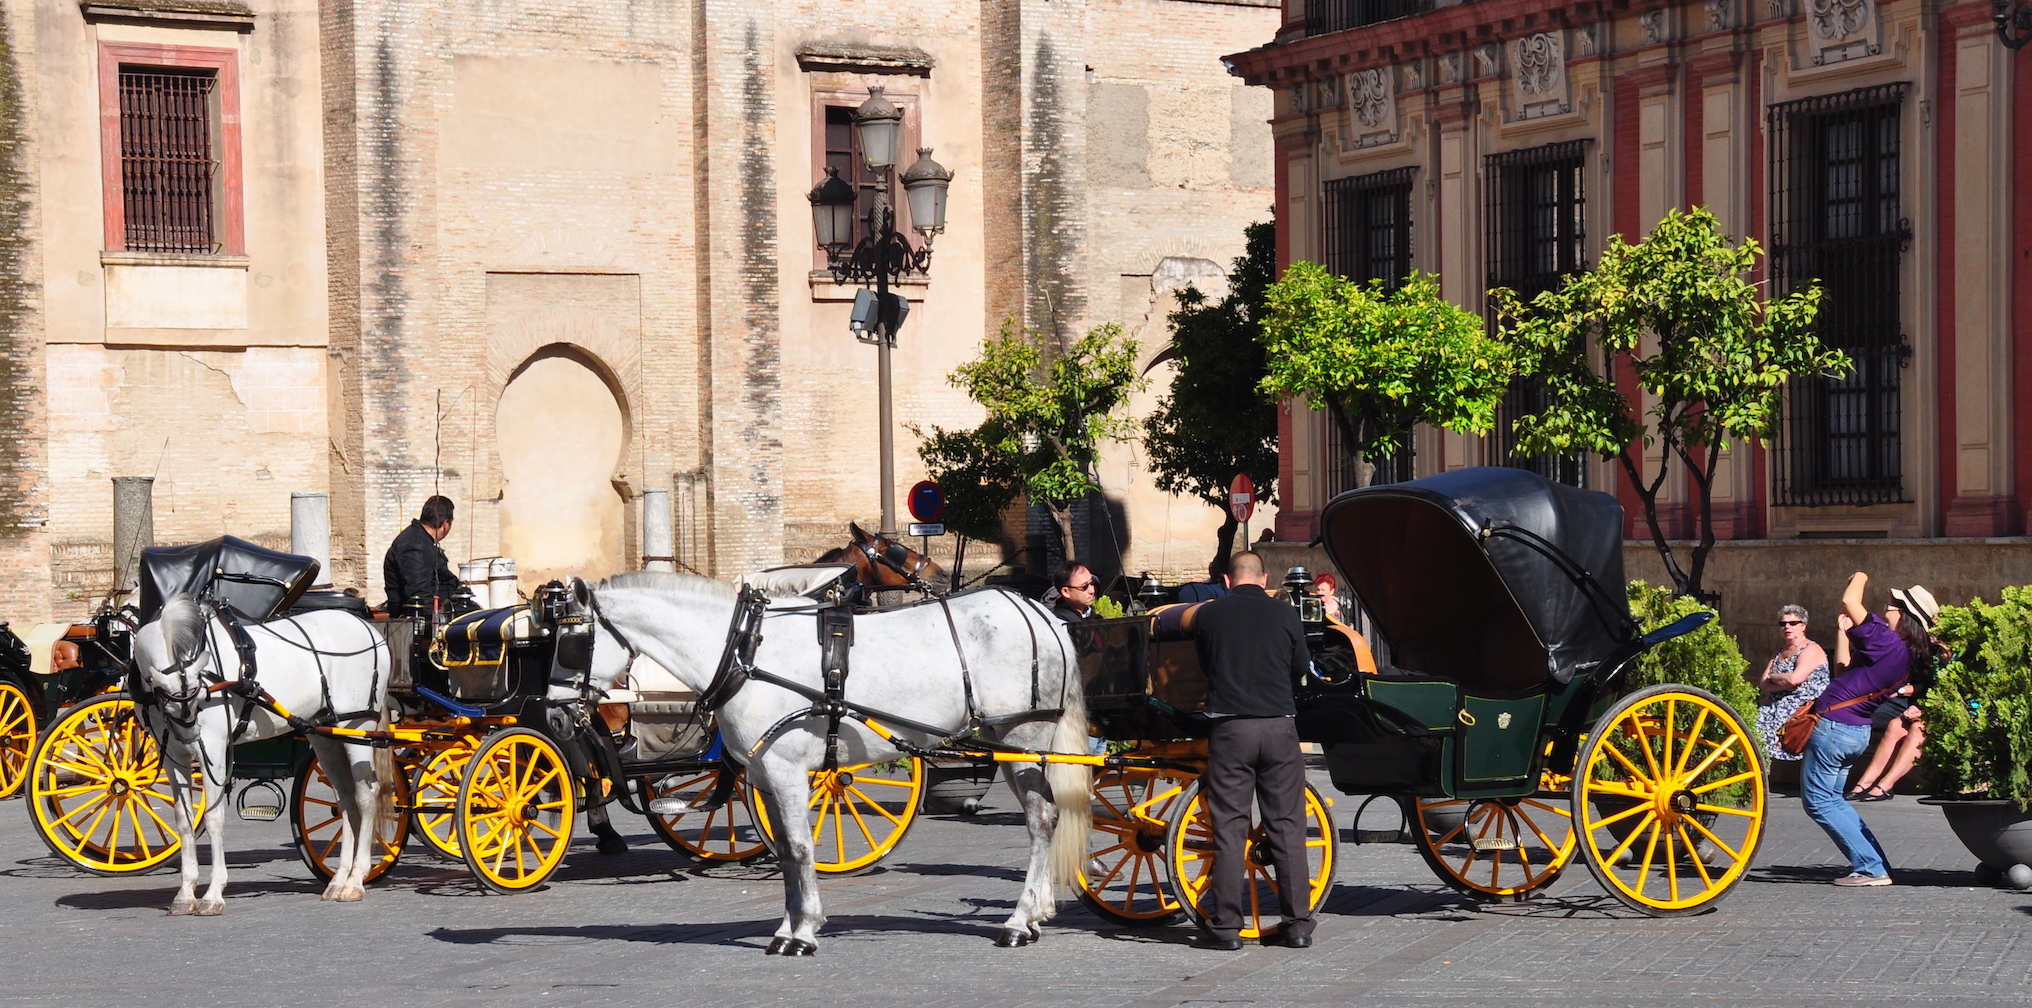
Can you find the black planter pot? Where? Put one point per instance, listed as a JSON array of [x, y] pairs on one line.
[[1997, 832]]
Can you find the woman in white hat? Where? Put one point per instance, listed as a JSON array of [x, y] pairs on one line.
[[1898, 717]]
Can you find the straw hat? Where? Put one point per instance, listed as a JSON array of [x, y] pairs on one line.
[[1919, 602]]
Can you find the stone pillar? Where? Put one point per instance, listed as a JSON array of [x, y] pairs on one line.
[[310, 530], [133, 527], [659, 546]]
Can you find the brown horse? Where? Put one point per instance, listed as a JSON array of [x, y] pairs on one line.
[[883, 563]]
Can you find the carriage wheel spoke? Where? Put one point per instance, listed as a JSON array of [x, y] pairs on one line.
[[1692, 736], [1693, 855]]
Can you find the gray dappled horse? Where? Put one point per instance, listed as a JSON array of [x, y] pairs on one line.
[[324, 662], [907, 662]]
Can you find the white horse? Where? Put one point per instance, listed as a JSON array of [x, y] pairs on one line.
[[318, 664], [913, 663]]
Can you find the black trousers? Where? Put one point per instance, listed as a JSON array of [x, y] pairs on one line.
[[1257, 758]]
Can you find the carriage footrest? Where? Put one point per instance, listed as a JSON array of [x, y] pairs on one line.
[[449, 704], [1494, 844]]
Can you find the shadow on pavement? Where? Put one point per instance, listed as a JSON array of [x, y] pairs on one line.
[[158, 899], [752, 933], [1823, 874]]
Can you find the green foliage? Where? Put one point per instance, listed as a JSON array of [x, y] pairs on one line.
[[1107, 608], [1979, 711], [1382, 361], [1213, 423], [1720, 360], [1707, 658], [979, 478], [1064, 402]]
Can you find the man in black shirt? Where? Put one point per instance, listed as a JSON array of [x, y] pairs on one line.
[[1252, 649], [415, 569], [1075, 587]]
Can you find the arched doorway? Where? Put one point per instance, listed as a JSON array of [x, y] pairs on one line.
[[560, 430]]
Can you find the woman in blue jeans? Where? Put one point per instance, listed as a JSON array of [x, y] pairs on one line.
[[1883, 650]]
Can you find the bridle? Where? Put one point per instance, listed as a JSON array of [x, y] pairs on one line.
[[893, 556]]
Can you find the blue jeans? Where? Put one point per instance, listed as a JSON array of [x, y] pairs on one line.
[[1824, 774]]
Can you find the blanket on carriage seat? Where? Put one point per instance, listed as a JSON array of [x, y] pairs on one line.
[[482, 638]]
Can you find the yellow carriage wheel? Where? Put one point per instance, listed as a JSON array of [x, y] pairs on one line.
[[1669, 792], [99, 794], [17, 737], [434, 798], [1189, 856], [517, 807], [726, 833], [858, 813], [315, 823], [1124, 878], [1498, 850]]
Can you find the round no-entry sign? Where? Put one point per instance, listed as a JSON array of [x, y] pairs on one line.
[[926, 501], [1242, 497]]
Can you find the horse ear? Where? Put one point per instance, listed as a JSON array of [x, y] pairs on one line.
[[859, 535], [582, 591]]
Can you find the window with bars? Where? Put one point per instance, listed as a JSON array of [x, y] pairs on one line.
[[1835, 220], [1367, 231], [843, 151], [1323, 16], [1368, 226], [169, 167], [1537, 236]]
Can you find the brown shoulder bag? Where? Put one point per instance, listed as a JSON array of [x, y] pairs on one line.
[[1792, 735]]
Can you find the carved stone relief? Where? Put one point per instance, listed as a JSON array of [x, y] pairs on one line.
[[1372, 108], [1414, 76], [1538, 65], [1450, 68], [1653, 24], [1487, 60], [1777, 10], [1840, 30], [1717, 14], [1584, 40]]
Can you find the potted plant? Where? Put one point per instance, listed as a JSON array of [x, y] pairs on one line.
[[1979, 732]]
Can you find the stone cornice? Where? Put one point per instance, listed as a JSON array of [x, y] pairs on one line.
[[857, 57], [228, 15]]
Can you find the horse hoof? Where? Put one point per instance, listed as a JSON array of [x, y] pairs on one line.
[[210, 908], [350, 894], [776, 946], [182, 907], [799, 947], [1012, 938], [613, 844], [331, 892]]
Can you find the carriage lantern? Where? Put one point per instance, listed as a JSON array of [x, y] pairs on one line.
[[925, 183], [879, 124], [832, 213]]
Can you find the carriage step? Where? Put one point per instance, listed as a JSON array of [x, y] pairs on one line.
[[1494, 843]]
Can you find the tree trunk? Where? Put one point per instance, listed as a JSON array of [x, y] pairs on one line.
[[1224, 541], [1061, 516]]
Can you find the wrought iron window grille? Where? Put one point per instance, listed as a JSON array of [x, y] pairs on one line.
[[1537, 236], [1367, 226], [168, 160], [1324, 16], [1836, 220]]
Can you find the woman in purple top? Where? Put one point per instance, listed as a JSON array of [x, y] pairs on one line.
[[1883, 650]]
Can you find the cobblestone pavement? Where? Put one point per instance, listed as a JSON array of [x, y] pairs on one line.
[[638, 929]]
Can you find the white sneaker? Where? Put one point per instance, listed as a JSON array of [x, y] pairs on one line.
[[1860, 879]]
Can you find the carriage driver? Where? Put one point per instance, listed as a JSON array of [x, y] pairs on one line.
[[1252, 648], [416, 571]]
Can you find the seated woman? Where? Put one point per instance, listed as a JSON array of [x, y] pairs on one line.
[[1794, 677]]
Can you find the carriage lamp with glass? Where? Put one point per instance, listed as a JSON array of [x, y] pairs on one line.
[[882, 255]]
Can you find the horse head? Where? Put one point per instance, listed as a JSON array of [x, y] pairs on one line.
[[886, 563], [171, 652]]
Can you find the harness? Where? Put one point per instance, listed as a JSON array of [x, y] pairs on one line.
[[912, 577], [835, 638]]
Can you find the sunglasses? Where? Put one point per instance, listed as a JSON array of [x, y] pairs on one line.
[[1791, 622], [1089, 586]]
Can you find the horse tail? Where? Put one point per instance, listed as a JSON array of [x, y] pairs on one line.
[[1071, 784], [183, 626]]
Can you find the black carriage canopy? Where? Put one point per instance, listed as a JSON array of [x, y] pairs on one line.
[[1494, 577], [259, 583]]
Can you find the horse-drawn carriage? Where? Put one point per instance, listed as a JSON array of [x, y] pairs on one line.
[[1496, 721]]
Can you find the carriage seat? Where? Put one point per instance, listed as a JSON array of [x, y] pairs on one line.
[[803, 586], [482, 638]]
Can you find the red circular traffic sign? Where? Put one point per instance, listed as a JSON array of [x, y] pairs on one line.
[[1242, 497], [926, 501]]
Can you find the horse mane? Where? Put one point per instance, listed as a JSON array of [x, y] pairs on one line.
[[182, 625], [694, 585]]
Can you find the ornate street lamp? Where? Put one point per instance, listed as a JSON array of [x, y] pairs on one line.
[[2014, 22], [883, 255]]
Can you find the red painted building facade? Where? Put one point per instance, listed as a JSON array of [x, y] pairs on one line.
[[1871, 146]]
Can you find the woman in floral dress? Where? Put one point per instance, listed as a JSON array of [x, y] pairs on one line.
[[1791, 679]]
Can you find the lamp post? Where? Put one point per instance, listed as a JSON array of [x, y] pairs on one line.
[[882, 255], [2014, 22]]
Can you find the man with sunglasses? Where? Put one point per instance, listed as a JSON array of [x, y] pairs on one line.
[[1074, 589]]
